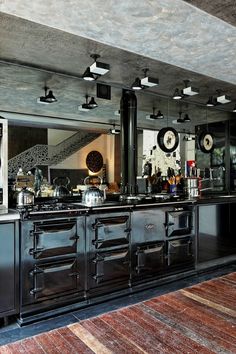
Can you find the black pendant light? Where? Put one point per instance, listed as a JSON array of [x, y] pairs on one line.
[[160, 115], [186, 118], [88, 76], [234, 110], [92, 103], [50, 98], [177, 94], [180, 119], [137, 84], [210, 102]]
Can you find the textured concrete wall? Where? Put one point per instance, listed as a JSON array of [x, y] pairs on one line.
[[168, 30]]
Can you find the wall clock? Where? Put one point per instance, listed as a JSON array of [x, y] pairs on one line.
[[168, 139], [206, 142], [94, 161]]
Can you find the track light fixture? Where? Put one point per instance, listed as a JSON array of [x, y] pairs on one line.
[[88, 105], [146, 82], [48, 97], [223, 99], [96, 69], [189, 90], [154, 115]]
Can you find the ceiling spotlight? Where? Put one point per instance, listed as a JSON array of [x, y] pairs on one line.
[[177, 94], [189, 90], [97, 67], [234, 110], [114, 131], [87, 106], [137, 84], [186, 118], [223, 99], [148, 81], [210, 102], [47, 98], [87, 75]]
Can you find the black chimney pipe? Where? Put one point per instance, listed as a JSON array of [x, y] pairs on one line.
[[128, 123]]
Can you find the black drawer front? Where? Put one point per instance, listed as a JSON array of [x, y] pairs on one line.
[[178, 223], [50, 279], [112, 266], [53, 239], [149, 258], [180, 251], [111, 231]]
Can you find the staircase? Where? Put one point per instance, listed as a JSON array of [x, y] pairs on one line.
[[48, 155]]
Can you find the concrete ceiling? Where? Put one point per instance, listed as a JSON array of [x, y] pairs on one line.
[[174, 39]]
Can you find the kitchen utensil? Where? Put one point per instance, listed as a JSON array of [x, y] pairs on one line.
[[60, 185], [25, 197], [93, 196]]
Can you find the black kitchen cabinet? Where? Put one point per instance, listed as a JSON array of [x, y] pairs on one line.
[[9, 267], [216, 235]]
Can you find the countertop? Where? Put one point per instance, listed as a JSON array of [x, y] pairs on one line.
[[9, 214]]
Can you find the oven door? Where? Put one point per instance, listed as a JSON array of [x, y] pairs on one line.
[[47, 280], [149, 258], [109, 267], [180, 251], [53, 238], [110, 231], [178, 222]]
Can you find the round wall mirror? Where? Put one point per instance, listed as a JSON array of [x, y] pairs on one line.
[[94, 161]]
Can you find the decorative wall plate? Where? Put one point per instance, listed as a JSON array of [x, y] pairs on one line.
[[94, 161], [206, 142], [168, 139]]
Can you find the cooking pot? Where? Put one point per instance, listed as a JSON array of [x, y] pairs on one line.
[[59, 189], [93, 196], [25, 197]]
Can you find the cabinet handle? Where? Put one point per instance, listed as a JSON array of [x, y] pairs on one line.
[[35, 291], [97, 242], [34, 251]]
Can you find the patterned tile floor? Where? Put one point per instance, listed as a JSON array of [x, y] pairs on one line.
[[200, 318]]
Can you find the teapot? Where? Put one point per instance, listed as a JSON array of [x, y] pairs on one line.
[[92, 196], [61, 190], [25, 198]]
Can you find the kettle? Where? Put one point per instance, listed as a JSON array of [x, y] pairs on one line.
[[25, 198], [59, 189], [93, 196]]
